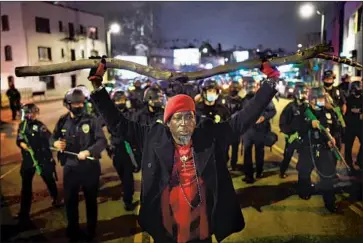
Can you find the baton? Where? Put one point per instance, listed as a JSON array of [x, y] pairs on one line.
[[70, 153]]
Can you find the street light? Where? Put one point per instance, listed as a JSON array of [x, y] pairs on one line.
[[306, 11], [114, 28], [299, 46], [205, 50]]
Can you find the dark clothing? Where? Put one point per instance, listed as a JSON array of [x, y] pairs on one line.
[[146, 117], [80, 133], [315, 152], [216, 113], [344, 89], [354, 128], [122, 163], [338, 98], [38, 137], [234, 104], [137, 99], [289, 124], [256, 136], [209, 142], [14, 100]]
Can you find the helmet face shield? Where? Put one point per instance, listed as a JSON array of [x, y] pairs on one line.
[[29, 111]]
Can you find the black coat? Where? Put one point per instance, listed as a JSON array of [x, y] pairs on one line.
[[223, 208]]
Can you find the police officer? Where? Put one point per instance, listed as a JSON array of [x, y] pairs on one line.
[[153, 111], [79, 132], [119, 154], [256, 136], [344, 85], [289, 126], [315, 150], [335, 99], [33, 139], [354, 122], [234, 104], [137, 95], [209, 107]]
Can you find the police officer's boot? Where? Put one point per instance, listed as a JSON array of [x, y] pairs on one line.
[[329, 201]]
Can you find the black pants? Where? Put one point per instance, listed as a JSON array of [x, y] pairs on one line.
[[27, 175], [14, 110], [234, 157], [249, 141], [125, 169], [325, 163], [85, 176], [352, 131], [288, 153]]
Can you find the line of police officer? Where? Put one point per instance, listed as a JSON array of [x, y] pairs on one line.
[[80, 133]]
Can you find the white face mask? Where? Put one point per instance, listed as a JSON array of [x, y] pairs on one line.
[[212, 97], [320, 104]]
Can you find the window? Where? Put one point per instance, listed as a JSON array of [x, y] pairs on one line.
[[49, 80], [5, 23], [42, 25], [93, 33], [82, 30], [8, 53], [82, 53], [62, 53], [44, 53], [94, 53], [73, 55], [60, 26], [73, 81], [71, 30]]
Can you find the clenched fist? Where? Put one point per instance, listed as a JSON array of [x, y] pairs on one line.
[[83, 155]]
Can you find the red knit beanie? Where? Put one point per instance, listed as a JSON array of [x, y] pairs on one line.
[[178, 103]]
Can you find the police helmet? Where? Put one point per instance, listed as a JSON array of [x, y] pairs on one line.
[[118, 95], [29, 108], [74, 95], [355, 87], [210, 84], [328, 74], [300, 91], [152, 93], [316, 93]]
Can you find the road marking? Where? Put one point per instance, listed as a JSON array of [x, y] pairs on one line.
[[315, 176], [11, 170]]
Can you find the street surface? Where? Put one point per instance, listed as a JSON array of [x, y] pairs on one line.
[[272, 210]]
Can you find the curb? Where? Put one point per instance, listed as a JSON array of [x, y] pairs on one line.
[[52, 99]]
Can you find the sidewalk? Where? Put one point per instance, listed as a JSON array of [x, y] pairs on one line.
[[5, 112]]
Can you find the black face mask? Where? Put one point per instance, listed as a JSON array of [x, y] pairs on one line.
[[78, 111], [328, 84], [357, 92], [121, 106], [234, 92]]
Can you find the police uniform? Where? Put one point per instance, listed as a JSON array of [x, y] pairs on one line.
[[289, 126], [82, 132], [354, 121], [256, 136], [315, 152], [38, 137]]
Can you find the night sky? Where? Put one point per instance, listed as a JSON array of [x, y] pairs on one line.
[[246, 24]]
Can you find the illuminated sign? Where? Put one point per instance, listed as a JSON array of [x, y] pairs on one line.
[[126, 74], [240, 56], [189, 56]]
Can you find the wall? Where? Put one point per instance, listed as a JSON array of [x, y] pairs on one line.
[[15, 37], [53, 40]]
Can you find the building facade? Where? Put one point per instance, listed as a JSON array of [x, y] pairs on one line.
[[353, 36], [40, 33]]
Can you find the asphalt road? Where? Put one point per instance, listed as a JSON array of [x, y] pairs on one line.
[[272, 210]]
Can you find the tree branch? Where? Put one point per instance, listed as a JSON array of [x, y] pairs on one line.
[[299, 57]]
